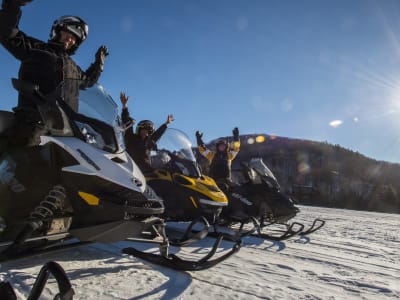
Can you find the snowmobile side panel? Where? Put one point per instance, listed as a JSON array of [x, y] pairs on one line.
[[93, 161]]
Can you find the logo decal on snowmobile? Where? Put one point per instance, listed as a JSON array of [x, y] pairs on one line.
[[87, 158], [241, 198], [7, 177]]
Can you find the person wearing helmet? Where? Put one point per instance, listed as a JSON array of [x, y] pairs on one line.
[[47, 65], [220, 160], [143, 140]]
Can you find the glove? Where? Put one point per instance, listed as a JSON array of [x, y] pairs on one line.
[[124, 99], [199, 136], [101, 54], [235, 132]]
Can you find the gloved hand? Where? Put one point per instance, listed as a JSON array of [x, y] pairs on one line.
[[170, 119], [101, 54], [199, 139], [124, 99], [235, 132]]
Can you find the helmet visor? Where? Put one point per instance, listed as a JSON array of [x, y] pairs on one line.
[[79, 30], [148, 128]]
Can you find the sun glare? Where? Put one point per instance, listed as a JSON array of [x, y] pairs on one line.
[[335, 123]]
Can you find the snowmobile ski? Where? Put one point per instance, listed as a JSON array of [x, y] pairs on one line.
[[317, 224], [292, 229], [174, 262], [66, 291]]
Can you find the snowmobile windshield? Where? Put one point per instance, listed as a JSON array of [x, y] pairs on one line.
[[257, 165], [175, 151], [99, 123]]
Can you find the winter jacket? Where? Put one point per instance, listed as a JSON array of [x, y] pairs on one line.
[[140, 149], [220, 162], [44, 64]]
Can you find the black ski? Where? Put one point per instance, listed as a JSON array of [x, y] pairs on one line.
[[174, 262]]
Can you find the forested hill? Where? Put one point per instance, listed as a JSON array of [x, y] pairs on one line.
[[322, 174]]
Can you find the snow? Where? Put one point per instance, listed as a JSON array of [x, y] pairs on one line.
[[354, 256]]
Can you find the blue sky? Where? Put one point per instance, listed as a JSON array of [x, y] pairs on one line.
[[318, 70]]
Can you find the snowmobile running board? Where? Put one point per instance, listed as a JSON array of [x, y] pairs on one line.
[[174, 262], [47, 249]]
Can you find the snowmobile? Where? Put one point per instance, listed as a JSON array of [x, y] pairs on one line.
[[256, 197], [188, 194], [78, 183]]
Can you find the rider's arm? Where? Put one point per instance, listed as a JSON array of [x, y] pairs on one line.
[[206, 153], [125, 116], [92, 74], [234, 150], [159, 132], [14, 40]]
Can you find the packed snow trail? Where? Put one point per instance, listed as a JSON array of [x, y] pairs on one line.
[[354, 256]]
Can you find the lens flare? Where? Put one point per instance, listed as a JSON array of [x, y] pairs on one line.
[[303, 168], [335, 123], [260, 139]]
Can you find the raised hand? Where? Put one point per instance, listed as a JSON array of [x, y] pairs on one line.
[[124, 99], [170, 119], [101, 54], [235, 132]]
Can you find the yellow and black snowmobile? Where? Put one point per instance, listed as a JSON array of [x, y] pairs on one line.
[[188, 195]]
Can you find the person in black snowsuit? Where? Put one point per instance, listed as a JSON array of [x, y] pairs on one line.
[[48, 65], [140, 143]]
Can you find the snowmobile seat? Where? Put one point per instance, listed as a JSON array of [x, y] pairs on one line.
[[7, 120]]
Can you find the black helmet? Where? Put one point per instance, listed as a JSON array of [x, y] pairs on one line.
[[145, 124], [71, 24]]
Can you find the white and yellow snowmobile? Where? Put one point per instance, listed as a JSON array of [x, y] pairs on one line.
[[78, 183]]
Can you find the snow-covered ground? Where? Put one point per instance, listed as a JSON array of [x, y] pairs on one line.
[[355, 256]]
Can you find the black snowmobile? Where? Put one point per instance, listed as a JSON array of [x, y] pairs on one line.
[[188, 194], [255, 197], [79, 182]]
